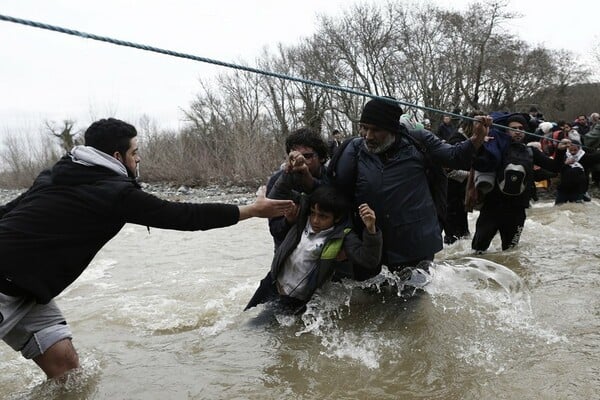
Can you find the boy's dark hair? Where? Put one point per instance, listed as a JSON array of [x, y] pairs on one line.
[[330, 200], [110, 135], [309, 138]]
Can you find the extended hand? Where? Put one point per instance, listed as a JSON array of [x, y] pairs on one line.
[[481, 129], [563, 144], [265, 208]]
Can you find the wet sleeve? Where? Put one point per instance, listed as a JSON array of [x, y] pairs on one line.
[[365, 253]]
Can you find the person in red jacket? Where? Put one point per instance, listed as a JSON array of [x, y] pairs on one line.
[[50, 234]]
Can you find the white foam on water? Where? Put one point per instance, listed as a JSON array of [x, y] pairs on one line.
[[332, 305], [155, 314], [484, 294], [497, 304], [97, 274], [80, 383]]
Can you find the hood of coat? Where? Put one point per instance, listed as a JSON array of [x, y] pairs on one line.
[[85, 165]]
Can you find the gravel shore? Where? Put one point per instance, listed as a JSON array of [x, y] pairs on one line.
[[209, 194], [224, 194]]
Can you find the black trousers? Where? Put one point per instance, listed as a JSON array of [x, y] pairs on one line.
[[508, 221], [456, 224]]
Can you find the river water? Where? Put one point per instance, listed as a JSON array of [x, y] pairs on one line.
[[158, 315]]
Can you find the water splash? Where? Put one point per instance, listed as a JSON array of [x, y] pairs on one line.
[[80, 383], [331, 309], [496, 305], [353, 319], [482, 280]]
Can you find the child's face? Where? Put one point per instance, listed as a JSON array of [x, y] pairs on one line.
[[320, 220], [573, 148]]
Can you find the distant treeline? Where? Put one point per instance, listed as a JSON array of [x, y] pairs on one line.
[[423, 54]]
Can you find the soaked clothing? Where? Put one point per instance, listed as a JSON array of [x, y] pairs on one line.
[[508, 222], [505, 214], [294, 276], [305, 261]]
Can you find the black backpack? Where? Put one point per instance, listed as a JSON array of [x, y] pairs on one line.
[[437, 180], [517, 169]]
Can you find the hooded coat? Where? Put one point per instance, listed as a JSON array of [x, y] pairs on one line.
[[50, 233]]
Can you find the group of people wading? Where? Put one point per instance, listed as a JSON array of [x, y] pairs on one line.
[[381, 200]]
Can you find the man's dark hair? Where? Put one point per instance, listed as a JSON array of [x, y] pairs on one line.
[[330, 200], [110, 135], [309, 138]]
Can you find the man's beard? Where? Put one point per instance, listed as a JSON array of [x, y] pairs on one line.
[[135, 174], [382, 147]]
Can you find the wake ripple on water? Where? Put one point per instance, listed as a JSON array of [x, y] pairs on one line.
[[477, 306]]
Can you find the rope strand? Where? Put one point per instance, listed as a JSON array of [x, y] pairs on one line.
[[171, 53]]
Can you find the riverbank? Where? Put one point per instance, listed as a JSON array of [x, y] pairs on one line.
[[227, 194], [210, 194]]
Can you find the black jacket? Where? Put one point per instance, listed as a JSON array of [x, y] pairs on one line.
[[50, 234], [496, 199], [575, 180], [278, 226], [395, 186]]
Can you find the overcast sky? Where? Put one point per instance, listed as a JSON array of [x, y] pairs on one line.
[[52, 76]]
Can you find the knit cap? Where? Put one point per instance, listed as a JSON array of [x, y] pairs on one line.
[[383, 114]]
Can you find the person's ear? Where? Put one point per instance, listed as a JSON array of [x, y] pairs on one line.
[[117, 155]]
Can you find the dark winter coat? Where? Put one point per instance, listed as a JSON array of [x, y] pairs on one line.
[[50, 234], [395, 186], [574, 180]]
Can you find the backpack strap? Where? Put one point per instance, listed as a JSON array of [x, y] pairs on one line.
[[333, 162]]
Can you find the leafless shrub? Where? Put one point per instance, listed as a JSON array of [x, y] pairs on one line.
[[24, 157], [193, 159]]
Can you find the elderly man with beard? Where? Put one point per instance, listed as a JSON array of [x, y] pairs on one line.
[[386, 169]]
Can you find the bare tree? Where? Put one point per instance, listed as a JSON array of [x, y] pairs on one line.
[[66, 134]]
